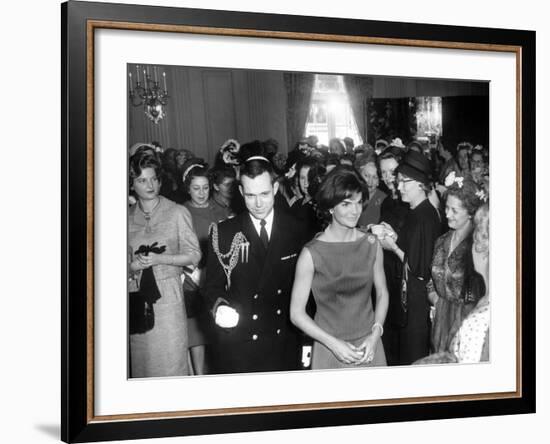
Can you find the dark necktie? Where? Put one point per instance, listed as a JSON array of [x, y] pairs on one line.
[[263, 234]]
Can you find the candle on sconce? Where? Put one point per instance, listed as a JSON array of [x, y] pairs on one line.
[[131, 90], [155, 71], [164, 78], [137, 72], [145, 79]]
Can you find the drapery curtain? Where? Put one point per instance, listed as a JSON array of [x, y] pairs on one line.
[[391, 118], [359, 89], [299, 89]]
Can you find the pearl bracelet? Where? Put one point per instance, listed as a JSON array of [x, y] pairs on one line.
[[377, 324]]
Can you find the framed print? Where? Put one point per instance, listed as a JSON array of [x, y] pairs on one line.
[[193, 90]]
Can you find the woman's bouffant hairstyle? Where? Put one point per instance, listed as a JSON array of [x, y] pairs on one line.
[[140, 161], [481, 229], [315, 176], [468, 192], [193, 168], [337, 186], [315, 173]]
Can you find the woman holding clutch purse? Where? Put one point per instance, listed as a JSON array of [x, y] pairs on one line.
[[161, 241]]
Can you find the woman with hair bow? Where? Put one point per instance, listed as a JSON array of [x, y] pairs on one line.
[[197, 187], [455, 287]]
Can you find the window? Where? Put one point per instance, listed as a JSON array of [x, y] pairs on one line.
[[428, 119], [330, 114]]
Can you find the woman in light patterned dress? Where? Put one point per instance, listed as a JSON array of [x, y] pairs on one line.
[[455, 288], [471, 342], [161, 241]]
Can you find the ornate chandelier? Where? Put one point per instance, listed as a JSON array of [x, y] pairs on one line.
[[149, 93]]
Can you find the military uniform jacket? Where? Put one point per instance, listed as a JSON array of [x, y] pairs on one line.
[[260, 285]]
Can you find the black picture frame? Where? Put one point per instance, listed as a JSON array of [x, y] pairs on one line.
[[79, 19]]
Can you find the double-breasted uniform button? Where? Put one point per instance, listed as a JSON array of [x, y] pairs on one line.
[[279, 311], [279, 291], [254, 337], [255, 296], [254, 316], [278, 331]]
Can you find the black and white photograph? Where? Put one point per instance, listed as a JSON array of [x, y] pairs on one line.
[[278, 222], [284, 221]]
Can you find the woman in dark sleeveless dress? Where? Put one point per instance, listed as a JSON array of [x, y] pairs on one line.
[[340, 266]]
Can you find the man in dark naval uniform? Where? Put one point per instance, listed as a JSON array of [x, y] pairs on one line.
[[249, 277]]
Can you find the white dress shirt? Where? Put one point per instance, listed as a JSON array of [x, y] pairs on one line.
[[268, 223]]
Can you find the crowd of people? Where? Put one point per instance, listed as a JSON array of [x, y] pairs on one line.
[[372, 255]]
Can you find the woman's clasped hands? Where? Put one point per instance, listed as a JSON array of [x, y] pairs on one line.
[[354, 355], [346, 352]]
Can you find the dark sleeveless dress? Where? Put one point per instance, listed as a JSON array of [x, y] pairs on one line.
[[342, 285]]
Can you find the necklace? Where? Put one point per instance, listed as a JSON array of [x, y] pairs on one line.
[[147, 215], [196, 205]]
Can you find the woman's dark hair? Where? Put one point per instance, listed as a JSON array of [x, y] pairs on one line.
[[337, 186], [140, 161], [392, 152], [169, 163], [336, 146], [315, 176], [332, 159], [316, 172], [219, 174], [349, 157], [468, 192], [191, 169], [249, 149]]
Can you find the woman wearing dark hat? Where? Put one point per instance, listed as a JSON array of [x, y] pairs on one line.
[[393, 211], [414, 248]]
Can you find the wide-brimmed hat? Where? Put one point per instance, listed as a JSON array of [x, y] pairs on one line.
[[416, 166]]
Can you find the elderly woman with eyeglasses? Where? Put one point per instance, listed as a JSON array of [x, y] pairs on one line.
[[393, 212], [413, 247]]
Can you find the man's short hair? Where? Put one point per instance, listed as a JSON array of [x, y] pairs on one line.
[[256, 167]]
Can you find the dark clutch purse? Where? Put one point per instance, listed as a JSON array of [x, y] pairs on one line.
[[141, 314]]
